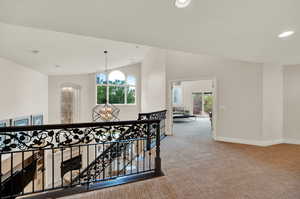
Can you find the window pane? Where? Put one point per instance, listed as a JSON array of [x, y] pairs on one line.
[[116, 95], [177, 96], [101, 94], [101, 78], [131, 95], [208, 102], [116, 77], [131, 80]]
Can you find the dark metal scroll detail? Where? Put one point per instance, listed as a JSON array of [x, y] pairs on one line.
[[95, 169], [158, 115], [38, 139], [67, 155]]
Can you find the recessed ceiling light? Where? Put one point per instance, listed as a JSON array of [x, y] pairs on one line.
[[35, 51], [57, 66], [286, 34], [182, 3]]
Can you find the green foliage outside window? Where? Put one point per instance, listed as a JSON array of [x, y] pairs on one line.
[[208, 103], [101, 94], [120, 91], [116, 95], [117, 82], [130, 95]]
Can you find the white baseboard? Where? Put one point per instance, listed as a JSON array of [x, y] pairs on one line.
[[291, 141], [250, 142]]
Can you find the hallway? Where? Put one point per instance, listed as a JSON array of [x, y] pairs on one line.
[[196, 167]]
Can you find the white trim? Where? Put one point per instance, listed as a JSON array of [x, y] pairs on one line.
[[291, 141], [263, 143], [107, 85], [215, 102]]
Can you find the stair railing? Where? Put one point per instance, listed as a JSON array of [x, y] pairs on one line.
[[58, 157]]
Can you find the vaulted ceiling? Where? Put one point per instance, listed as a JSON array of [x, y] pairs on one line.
[[239, 29], [57, 53]]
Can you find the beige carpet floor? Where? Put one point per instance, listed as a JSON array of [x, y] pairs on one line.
[[196, 167]]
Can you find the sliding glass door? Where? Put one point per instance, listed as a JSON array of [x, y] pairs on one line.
[[197, 103]]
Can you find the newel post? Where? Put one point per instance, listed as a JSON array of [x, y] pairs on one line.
[[157, 157], [148, 143]]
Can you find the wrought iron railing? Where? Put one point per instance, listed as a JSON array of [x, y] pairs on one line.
[[37, 159], [157, 115]]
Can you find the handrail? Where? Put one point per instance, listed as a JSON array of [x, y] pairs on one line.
[[58, 143], [150, 113], [74, 125]]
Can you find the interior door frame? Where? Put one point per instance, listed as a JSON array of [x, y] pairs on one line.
[[169, 121]]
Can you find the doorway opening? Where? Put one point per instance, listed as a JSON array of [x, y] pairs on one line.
[[192, 107]]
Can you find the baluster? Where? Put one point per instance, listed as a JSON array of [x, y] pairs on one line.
[[71, 175], [138, 155], [53, 168], [62, 160], [33, 187], [148, 137], [11, 173], [43, 171], [111, 158], [0, 174], [103, 161], [131, 156], [22, 181], [88, 163], [96, 162], [118, 161], [144, 154], [79, 149], [124, 158]]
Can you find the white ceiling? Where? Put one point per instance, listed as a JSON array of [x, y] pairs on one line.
[[74, 54], [239, 29]]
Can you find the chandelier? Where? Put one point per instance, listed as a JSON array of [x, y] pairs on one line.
[[106, 112]]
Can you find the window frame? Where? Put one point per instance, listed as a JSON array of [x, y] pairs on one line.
[[126, 87]]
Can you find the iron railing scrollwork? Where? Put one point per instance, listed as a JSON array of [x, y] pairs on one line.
[[157, 115], [96, 168], [39, 137], [50, 157]]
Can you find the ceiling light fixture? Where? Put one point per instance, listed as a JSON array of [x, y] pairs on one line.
[[286, 34], [182, 3], [35, 51], [106, 112]]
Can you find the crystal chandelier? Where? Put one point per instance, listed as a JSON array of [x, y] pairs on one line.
[[106, 112]]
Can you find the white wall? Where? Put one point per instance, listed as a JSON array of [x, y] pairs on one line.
[[292, 104], [239, 91], [272, 124], [153, 75], [87, 83], [84, 82], [23, 91]]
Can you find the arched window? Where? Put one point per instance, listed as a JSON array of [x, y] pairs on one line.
[[116, 77], [121, 89]]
